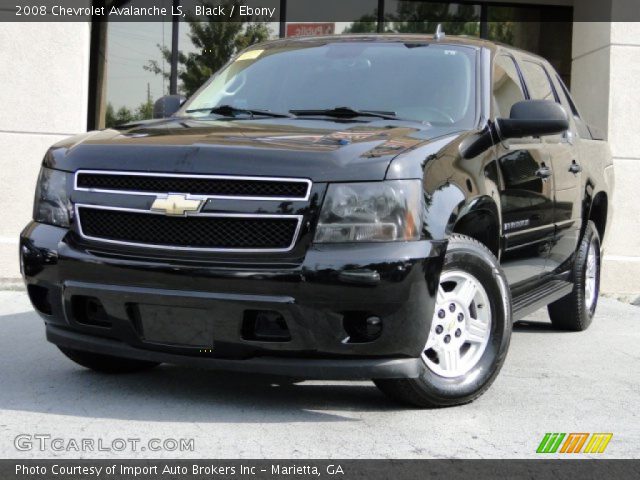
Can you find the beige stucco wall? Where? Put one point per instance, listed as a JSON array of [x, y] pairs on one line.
[[606, 68], [44, 91]]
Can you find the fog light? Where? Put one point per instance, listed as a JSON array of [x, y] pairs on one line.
[[362, 327], [374, 327]]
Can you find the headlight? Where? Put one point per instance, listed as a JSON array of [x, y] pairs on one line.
[[52, 203], [371, 212]]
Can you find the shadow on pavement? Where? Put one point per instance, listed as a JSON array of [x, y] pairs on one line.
[[533, 326], [36, 377]]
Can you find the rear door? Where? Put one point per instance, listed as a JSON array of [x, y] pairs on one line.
[[526, 188], [565, 167]]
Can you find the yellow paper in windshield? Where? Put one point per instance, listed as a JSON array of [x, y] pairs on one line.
[[250, 55]]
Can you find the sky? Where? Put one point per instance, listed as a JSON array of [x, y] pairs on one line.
[[131, 45]]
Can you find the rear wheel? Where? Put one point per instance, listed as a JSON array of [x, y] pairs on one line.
[[576, 310], [106, 363], [470, 331]]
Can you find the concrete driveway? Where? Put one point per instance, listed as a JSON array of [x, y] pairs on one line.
[[552, 382]]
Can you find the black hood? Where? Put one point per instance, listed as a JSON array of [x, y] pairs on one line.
[[322, 150]]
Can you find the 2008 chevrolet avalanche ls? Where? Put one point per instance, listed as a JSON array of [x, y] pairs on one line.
[[353, 207]]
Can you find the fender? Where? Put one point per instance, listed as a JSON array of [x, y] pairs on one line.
[[447, 206], [481, 203], [587, 202], [592, 191]]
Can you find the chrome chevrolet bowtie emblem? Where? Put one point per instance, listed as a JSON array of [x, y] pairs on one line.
[[177, 205]]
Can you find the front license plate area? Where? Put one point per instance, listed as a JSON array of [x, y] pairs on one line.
[[176, 326]]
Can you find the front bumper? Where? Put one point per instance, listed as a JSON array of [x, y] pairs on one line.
[[333, 284], [310, 368]]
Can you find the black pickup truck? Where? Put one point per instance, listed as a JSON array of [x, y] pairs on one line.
[[353, 207]]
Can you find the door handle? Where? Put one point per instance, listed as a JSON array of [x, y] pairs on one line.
[[575, 168], [543, 172]]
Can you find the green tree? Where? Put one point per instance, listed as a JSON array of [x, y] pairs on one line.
[[366, 24], [124, 115], [502, 32], [420, 17], [115, 118], [216, 43], [110, 116], [423, 17], [145, 110]]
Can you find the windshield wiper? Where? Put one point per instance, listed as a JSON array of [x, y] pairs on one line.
[[231, 111], [346, 112]]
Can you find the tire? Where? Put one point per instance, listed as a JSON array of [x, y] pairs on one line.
[[466, 262], [106, 363], [575, 311]]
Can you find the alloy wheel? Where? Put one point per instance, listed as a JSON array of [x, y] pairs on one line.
[[461, 325], [591, 277]]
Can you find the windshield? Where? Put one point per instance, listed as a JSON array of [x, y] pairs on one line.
[[424, 82]]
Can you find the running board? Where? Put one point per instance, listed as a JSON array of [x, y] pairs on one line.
[[530, 301]]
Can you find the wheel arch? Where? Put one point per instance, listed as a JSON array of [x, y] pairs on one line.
[[598, 212], [479, 219]]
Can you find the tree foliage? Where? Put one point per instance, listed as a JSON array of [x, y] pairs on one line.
[[114, 118], [215, 42], [366, 24], [424, 17]]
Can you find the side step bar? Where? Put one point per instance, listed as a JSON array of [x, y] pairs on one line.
[[529, 302]]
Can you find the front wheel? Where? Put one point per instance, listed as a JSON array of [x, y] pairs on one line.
[[470, 331]]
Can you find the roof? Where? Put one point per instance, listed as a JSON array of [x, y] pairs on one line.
[[385, 37], [395, 37]]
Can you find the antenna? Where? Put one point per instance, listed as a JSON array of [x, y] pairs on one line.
[[439, 35]]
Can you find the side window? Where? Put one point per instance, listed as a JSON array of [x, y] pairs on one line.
[[507, 87], [567, 97], [540, 87], [537, 81], [567, 101]]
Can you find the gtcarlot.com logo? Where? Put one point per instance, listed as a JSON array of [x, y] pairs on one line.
[[574, 443], [44, 442]]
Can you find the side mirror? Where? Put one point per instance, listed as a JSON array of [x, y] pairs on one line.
[[533, 118], [167, 105], [529, 118]]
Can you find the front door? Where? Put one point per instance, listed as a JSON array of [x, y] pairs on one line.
[[526, 185], [566, 172], [527, 209]]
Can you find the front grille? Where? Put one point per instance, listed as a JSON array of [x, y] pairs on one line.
[[210, 186], [192, 232]]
